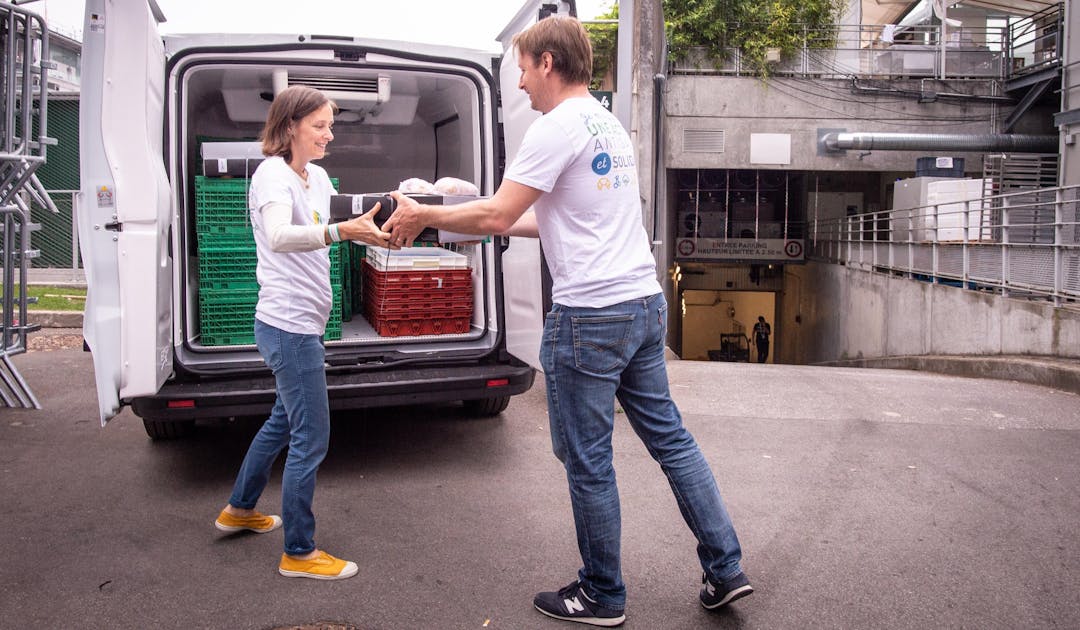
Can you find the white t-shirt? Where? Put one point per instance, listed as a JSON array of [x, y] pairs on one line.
[[294, 287], [590, 215]]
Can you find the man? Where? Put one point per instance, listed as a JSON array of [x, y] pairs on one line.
[[604, 337], [762, 330]]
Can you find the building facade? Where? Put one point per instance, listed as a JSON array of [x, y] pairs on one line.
[[749, 174]]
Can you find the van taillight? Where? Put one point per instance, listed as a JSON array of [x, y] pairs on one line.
[[498, 382], [180, 404]]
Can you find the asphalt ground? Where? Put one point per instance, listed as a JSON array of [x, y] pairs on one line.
[[863, 499]]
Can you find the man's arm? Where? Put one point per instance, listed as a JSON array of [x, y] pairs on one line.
[[499, 214], [525, 226]]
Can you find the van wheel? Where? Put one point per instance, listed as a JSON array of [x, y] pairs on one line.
[[486, 407], [168, 429]]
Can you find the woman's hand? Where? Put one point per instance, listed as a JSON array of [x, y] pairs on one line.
[[363, 229]]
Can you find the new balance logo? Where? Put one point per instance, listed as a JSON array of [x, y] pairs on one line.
[[573, 605]]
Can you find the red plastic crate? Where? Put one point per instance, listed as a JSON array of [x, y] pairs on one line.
[[419, 324], [418, 302], [390, 304], [417, 280]]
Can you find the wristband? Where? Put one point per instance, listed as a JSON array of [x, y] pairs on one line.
[[334, 235]]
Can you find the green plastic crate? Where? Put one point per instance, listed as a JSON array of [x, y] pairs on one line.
[[227, 262], [344, 275], [230, 265], [226, 339], [221, 205], [227, 316]]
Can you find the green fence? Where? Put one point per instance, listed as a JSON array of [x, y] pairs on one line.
[[56, 241]]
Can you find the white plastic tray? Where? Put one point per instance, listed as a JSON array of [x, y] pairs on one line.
[[415, 258]]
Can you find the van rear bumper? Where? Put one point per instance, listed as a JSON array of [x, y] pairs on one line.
[[222, 398]]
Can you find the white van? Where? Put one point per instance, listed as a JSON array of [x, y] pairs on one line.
[[150, 103]]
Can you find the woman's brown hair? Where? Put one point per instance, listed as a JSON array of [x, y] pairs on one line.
[[565, 38], [291, 105]]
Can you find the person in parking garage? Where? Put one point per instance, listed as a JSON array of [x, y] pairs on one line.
[[604, 337], [290, 207], [762, 330]]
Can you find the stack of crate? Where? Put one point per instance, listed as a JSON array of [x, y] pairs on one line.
[[417, 291], [228, 289]]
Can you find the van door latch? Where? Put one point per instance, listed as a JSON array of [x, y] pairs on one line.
[[114, 226]]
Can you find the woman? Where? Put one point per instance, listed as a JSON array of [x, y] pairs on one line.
[[290, 206]]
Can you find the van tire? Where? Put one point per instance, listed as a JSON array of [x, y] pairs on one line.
[[168, 429], [486, 407]]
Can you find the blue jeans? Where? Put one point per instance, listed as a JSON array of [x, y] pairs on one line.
[[591, 356], [300, 420]]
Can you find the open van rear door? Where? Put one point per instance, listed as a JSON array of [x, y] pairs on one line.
[[125, 205], [523, 285]]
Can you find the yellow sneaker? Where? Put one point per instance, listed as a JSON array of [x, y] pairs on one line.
[[259, 523], [321, 567]]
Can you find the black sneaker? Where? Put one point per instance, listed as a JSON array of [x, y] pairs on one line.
[[572, 604], [717, 594]]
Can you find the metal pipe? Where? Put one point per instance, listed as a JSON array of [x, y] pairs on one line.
[[659, 83], [1015, 143]]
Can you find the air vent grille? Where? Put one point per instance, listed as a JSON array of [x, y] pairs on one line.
[[337, 83], [703, 140]]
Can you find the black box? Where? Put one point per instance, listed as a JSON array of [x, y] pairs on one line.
[[345, 207], [230, 167], [230, 158]]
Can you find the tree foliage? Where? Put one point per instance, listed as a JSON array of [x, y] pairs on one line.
[[604, 39], [752, 26]]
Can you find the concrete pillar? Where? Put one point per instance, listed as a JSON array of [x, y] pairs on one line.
[[649, 60]]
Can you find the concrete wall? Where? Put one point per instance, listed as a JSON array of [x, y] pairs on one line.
[[742, 106], [832, 312]]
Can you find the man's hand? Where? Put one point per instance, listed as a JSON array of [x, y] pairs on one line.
[[406, 223]]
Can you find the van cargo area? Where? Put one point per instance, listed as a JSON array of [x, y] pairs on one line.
[[394, 124], [169, 131]]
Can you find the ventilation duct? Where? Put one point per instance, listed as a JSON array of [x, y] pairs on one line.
[[1006, 143]]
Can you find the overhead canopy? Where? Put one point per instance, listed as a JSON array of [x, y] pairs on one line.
[[890, 11], [1014, 7]]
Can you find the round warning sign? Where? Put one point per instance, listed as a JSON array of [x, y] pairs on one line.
[[793, 249], [686, 247]]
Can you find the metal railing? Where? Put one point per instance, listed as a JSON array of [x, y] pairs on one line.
[[1035, 42], [875, 51], [24, 66], [1019, 244]]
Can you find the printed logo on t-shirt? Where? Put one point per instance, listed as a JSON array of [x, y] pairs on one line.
[[614, 152], [601, 164], [315, 216]]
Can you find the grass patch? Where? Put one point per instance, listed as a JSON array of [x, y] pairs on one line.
[[50, 298]]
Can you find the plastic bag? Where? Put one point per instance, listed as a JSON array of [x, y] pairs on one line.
[[418, 186], [455, 186]]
